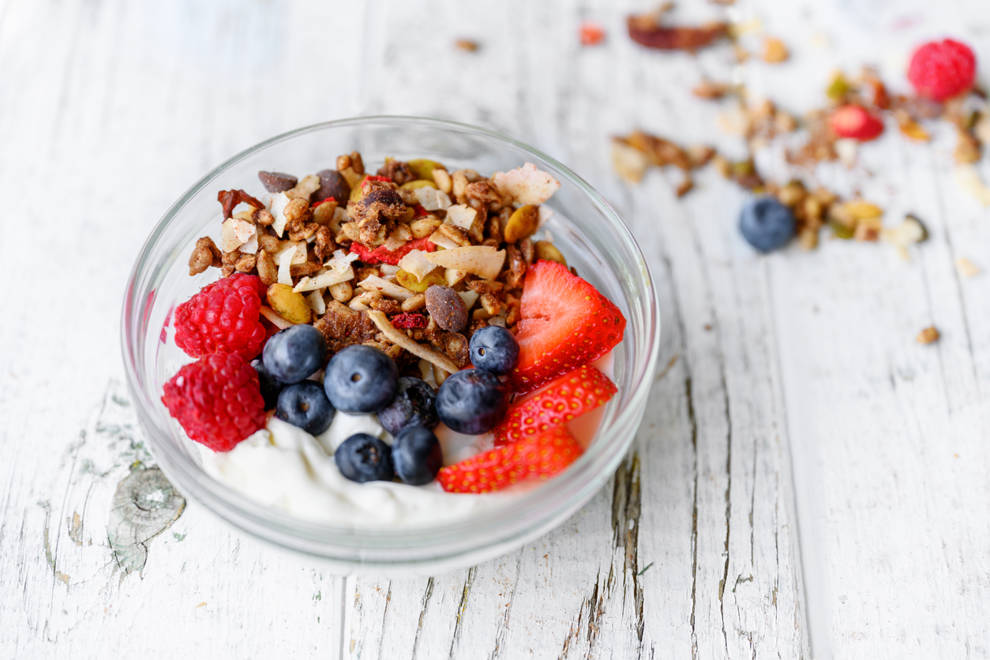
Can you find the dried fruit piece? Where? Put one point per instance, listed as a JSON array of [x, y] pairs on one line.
[[591, 33], [230, 198], [382, 255], [408, 321], [290, 305], [647, 30], [522, 223]]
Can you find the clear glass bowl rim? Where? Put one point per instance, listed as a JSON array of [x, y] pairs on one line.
[[545, 506]]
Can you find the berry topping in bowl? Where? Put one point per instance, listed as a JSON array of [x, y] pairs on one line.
[[414, 405], [360, 379], [305, 405], [940, 70], [364, 457], [564, 323], [536, 457], [294, 354], [416, 455], [217, 400], [404, 320], [494, 349], [472, 401]]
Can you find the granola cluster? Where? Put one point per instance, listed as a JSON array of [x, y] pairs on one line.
[[815, 207], [411, 259]]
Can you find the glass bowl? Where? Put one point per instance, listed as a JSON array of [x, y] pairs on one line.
[[583, 225]]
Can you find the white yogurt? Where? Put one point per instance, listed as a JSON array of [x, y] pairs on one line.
[[288, 469]]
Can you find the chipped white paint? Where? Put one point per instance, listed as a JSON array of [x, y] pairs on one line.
[[113, 107]]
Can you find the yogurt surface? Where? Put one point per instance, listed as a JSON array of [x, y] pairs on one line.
[[288, 469]]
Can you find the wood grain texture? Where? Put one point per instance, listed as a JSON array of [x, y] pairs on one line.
[[798, 361]]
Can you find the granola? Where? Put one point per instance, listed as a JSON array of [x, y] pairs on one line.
[[412, 259]]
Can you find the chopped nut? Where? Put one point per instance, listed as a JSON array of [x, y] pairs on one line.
[[267, 270], [245, 263], [341, 291], [646, 30], [324, 245], [628, 162], [467, 45], [423, 227], [204, 255], [711, 90], [303, 190], [684, 187], [269, 243], [454, 234], [966, 267], [774, 50], [967, 148], [416, 302], [548, 251], [929, 335], [443, 180]]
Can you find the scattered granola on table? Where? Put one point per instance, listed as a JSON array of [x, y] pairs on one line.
[[929, 335]]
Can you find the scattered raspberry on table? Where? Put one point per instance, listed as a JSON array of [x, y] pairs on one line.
[[942, 69]]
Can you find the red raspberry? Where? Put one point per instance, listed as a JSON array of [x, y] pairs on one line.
[[853, 121], [217, 400], [942, 69], [222, 317]]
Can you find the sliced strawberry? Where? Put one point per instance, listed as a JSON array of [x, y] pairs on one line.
[[382, 255], [563, 323], [537, 457], [570, 396], [853, 121]]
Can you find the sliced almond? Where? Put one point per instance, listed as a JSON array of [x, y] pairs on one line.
[[402, 339], [481, 260], [469, 297], [316, 303]]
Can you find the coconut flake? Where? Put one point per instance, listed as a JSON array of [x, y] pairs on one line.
[[415, 262], [316, 302], [338, 270], [461, 215], [439, 239], [279, 202], [526, 184], [432, 199], [235, 232]]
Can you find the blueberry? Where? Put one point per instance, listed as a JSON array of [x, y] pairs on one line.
[[494, 349], [269, 386], [416, 455], [472, 401], [360, 379], [364, 457], [413, 404], [294, 354], [305, 405], [766, 224]]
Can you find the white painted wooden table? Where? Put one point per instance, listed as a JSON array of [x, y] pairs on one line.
[[111, 108]]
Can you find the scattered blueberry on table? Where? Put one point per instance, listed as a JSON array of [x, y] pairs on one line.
[[766, 224]]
